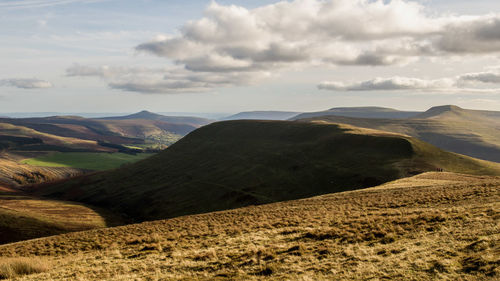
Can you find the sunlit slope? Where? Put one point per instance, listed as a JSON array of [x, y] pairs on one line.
[[25, 217], [12, 173], [237, 163], [434, 226], [359, 112], [471, 132]]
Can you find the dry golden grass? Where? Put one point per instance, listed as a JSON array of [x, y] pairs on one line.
[[432, 226], [13, 173], [16, 267]]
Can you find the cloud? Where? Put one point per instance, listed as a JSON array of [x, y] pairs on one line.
[[389, 84], [470, 82], [307, 31], [484, 77], [28, 4], [26, 83], [232, 42], [164, 80]]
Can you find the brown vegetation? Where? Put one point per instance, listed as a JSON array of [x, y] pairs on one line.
[[15, 267], [12, 173], [431, 226]]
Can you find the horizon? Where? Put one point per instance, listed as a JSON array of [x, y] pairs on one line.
[[234, 56], [208, 115]]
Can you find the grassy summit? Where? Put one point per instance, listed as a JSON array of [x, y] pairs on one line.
[[238, 163]]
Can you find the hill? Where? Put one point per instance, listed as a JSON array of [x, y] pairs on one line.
[[13, 173], [25, 217], [470, 132], [262, 115], [194, 121], [238, 163], [141, 132], [16, 137], [360, 112], [434, 226]]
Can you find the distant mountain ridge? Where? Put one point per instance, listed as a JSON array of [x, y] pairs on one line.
[[262, 115], [360, 112], [143, 129], [470, 132], [196, 121]]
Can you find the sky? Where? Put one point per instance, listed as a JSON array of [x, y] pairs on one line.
[[231, 56]]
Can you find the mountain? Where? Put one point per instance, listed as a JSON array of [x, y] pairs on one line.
[[194, 121], [359, 112], [143, 132], [262, 115], [231, 164], [474, 133], [431, 226]]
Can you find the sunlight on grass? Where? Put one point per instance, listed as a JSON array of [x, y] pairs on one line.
[[85, 160]]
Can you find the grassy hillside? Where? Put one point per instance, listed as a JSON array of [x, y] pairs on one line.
[[238, 163], [359, 112], [470, 132], [12, 173], [16, 137], [85, 160], [194, 121], [25, 217], [434, 226], [141, 129]]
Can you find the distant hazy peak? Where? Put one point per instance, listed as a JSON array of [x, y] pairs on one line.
[[363, 108], [440, 110]]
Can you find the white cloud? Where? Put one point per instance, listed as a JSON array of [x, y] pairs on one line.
[[231, 41], [392, 83], [164, 80], [22, 4], [470, 82], [26, 83], [310, 30]]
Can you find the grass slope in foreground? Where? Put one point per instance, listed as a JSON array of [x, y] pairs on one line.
[[25, 217], [434, 226], [239, 163], [85, 160]]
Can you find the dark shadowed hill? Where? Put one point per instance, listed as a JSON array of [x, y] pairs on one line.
[[237, 163], [471, 132], [360, 112], [194, 121], [262, 115]]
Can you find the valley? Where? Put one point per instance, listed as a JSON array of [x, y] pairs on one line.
[[248, 200]]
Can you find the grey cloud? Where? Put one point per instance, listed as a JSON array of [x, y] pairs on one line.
[[157, 80], [232, 45], [480, 35], [484, 77], [26, 83], [272, 36], [469, 82], [389, 84], [168, 87]]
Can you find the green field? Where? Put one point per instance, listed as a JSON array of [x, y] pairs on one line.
[[86, 160]]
